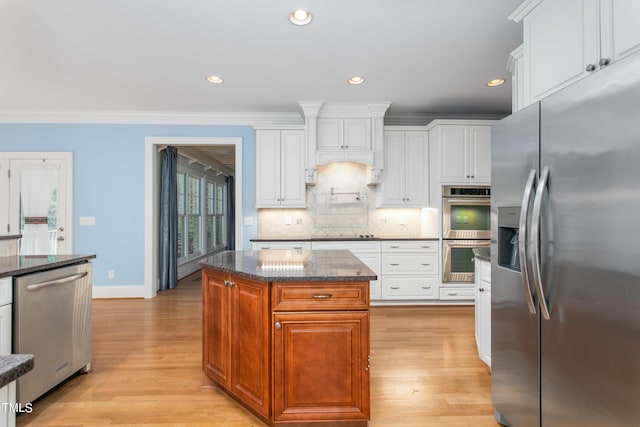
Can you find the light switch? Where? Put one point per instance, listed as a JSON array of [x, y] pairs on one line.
[[287, 220], [401, 219], [248, 220], [87, 220]]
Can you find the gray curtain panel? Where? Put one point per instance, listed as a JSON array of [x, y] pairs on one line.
[[231, 213], [168, 260]]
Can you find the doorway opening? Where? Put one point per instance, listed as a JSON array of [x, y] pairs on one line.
[[195, 148]]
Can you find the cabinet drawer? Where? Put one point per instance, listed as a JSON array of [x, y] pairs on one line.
[[325, 296], [396, 287], [457, 293], [256, 246], [353, 246], [409, 263], [392, 246]]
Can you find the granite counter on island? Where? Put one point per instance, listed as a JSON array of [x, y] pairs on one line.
[[286, 333]]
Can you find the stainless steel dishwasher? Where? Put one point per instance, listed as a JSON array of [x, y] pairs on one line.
[[52, 320]]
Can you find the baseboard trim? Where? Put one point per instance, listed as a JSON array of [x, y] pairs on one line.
[[135, 291]]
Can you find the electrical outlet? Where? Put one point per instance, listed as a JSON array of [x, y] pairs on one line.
[[287, 220], [111, 274], [299, 220], [401, 219]]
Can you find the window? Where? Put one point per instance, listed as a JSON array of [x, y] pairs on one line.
[[193, 215], [220, 210], [201, 212]]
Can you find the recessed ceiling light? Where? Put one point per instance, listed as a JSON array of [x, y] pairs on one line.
[[495, 82], [215, 79], [356, 80], [300, 17]]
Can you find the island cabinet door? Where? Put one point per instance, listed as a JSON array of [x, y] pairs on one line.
[[250, 316], [216, 327], [321, 366], [235, 328]]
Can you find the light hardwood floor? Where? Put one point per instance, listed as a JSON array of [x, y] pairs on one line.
[[147, 371]]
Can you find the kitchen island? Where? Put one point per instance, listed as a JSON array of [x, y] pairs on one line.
[[286, 333]]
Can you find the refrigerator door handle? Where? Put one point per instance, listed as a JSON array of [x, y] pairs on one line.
[[535, 238], [522, 241]]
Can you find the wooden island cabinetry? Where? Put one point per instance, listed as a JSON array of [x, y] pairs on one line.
[[292, 346]]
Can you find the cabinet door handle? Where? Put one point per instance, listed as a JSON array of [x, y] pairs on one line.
[[426, 264], [394, 264], [426, 287], [425, 247], [321, 296], [265, 247], [591, 67], [394, 247], [452, 294], [395, 287], [297, 247], [277, 325], [604, 62]]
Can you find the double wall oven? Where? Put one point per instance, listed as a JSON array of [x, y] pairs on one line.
[[466, 224]]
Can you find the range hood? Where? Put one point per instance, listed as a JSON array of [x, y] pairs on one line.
[[344, 133]]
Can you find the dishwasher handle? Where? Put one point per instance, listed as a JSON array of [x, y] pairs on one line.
[[61, 281]]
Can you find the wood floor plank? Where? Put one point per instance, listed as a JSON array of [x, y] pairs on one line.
[[425, 370]]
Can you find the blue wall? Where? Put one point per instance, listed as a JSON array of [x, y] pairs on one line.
[[108, 183]]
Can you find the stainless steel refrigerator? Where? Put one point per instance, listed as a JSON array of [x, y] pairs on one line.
[[566, 256]]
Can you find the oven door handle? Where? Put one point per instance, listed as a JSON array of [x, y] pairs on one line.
[[522, 240], [481, 201], [535, 237]]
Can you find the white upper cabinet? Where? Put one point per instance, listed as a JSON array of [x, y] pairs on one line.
[[4, 197], [567, 40], [280, 180], [406, 174], [344, 139], [464, 151]]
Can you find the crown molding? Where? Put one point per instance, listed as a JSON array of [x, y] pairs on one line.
[[523, 10], [154, 117], [425, 119], [514, 56]]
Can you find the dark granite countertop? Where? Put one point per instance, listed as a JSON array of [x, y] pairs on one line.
[[483, 254], [11, 237], [337, 238], [292, 265], [25, 264], [13, 366]]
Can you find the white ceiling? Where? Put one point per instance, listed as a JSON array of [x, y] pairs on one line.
[[429, 58]]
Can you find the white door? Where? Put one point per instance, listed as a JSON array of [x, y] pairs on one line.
[[40, 202]]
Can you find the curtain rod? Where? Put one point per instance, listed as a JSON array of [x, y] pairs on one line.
[[194, 160]]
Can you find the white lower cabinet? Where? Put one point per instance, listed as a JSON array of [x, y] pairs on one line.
[[483, 310], [367, 252], [280, 244], [457, 292], [8, 392], [410, 270]]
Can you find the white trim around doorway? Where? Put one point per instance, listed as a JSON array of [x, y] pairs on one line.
[[151, 202]]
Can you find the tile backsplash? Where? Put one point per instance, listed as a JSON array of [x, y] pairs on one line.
[[342, 204]]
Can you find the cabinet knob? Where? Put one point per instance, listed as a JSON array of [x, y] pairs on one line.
[[604, 62], [278, 325], [591, 67], [481, 289]]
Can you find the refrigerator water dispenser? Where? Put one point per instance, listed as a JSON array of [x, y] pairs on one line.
[[508, 238]]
